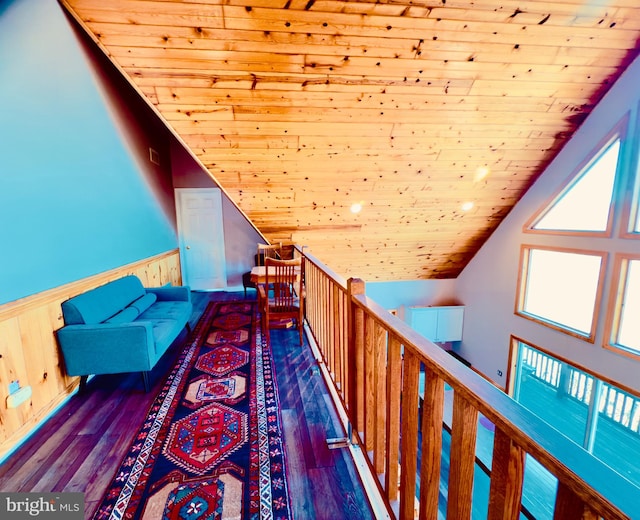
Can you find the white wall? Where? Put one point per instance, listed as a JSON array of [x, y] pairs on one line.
[[487, 286], [392, 295]]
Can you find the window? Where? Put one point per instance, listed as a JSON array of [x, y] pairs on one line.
[[623, 323], [636, 224], [585, 204], [633, 215], [561, 289]]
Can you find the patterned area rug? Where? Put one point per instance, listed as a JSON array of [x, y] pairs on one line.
[[211, 445]]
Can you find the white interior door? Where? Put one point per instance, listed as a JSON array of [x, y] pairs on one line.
[[201, 237]]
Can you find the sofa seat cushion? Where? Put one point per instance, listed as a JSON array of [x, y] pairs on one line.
[[164, 332], [167, 320], [180, 311]]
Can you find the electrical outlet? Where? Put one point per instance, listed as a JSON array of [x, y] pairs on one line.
[[500, 373], [18, 397], [14, 386]]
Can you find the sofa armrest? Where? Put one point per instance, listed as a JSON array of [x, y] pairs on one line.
[[180, 293], [107, 348]]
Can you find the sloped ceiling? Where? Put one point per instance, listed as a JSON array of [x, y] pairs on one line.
[[301, 108]]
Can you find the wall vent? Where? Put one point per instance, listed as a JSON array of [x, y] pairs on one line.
[[154, 156]]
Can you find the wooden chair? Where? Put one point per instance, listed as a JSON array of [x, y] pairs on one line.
[[263, 251], [279, 297], [268, 251]]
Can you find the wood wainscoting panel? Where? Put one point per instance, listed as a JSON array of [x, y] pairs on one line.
[[29, 352]]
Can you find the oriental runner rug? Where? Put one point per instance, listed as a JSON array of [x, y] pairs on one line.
[[211, 446]]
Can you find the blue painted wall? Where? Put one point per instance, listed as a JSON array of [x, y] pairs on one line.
[[76, 198]]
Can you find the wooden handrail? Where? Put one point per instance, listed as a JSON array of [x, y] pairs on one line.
[[374, 361]]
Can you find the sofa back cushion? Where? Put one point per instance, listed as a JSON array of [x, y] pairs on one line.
[[142, 304], [126, 315], [99, 304]]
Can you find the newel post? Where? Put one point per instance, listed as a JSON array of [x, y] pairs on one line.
[[355, 355]]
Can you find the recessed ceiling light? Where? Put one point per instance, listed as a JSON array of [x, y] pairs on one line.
[[481, 173], [467, 206], [356, 207]]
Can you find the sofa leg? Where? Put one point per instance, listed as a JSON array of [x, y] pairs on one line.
[[83, 384], [188, 327], [145, 380]]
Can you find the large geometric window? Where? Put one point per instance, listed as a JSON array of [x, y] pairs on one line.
[[561, 289], [584, 205], [623, 323]]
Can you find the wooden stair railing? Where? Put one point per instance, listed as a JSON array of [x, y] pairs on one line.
[[373, 361]]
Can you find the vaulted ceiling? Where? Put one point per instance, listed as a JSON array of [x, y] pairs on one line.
[[301, 108]]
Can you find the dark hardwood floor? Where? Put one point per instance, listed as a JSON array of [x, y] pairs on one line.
[[80, 447]]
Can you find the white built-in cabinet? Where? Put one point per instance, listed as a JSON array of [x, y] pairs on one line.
[[440, 324]]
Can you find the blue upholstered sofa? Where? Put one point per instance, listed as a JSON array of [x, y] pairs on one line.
[[121, 327]]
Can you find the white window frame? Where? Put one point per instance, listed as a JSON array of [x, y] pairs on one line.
[[618, 132], [615, 306]]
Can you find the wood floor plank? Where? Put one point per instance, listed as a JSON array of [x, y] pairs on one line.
[[300, 491], [331, 501]]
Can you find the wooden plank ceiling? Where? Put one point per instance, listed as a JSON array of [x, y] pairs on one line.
[[301, 108]]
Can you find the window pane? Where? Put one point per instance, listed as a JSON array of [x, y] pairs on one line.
[[629, 331], [562, 287], [585, 205], [617, 432], [554, 392], [635, 222]]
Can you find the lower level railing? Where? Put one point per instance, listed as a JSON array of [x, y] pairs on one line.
[[614, 403], [384, 374]]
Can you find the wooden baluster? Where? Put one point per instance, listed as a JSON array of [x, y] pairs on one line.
[[315, 299], [320, 316], [409, 441], [507, 477], [360, 384], [570, 506], [432, 415], [328, 329], [335, 330], [342, 355], [394, 382], [463, 444], [310, 307], [343, 344], [380, 373], [355, 362], [369, 382], [325, 325]]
